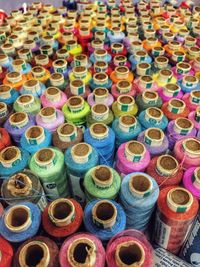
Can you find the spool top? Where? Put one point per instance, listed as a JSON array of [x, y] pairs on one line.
[[99, 130], [155, 134], [19, 184], [179, 199], [44, 156], [81, 152], [9, 155], [167, 165], [140, 185], [75, 102], [150, 96], [102, 176], [191, 146], [154, 113]]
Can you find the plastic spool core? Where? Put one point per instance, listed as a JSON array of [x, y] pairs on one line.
[[102, 176], [171, 89], [75, 102], [179, 199], [140, 185], [44, 156], [127, 123], [155, 136], [167, 165], [31, 84], [18, 218], [127, 100], [66, 131], [34, 132], [3, 108], [192, 147], [149, 96], [80, 152], [195, 94], [100, 94], [154, 113], [123, 86], [82, 253], [99, 130], [61, 212], [5, 89], [25, 99], [183, 124], [48, 114], [9, 155], [19, 185], [129, 254], [134, 151]]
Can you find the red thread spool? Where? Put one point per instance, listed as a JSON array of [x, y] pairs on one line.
[[166, 170], [6, 253], [38, 251], [4, 139], [175, 108], [62, 217], [177, 209]]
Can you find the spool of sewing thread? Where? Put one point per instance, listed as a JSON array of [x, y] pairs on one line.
[[170, 91], [82, 249], [4, 139], [33, 87], [175, 108], [20, 222], [131, 248], [23, 186], [166, 170], [102, 138], [154, 140], [153, 117], [177, 209], [5, 112], [27, 103], [17, 124], [191, 181], [6, 253], [192, 99], [57, 80], [66, 135], [77, 87], [187, 151], [194, 116], [131, 157], [8, 95], [178, 129], [102, 182], [48, 164], [100, 96], [100, 113], [164, 258], [76, 110], [189, 83], [138, 196], [190, 251], [50, 118], [35, 138], [125, 105], [15, 80], [100, 79], [12, 160], [62, 217], [104, 218], [148, 99], [123, 87], [53, 97], [126, 128], [79, 159], [38, 251]]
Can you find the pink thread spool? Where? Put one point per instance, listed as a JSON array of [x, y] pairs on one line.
[[191, 181], [194, 116], [123, 87], [192, 99], [145, 82], [169, 91], [100, 96], [53, 97], [132, 157]]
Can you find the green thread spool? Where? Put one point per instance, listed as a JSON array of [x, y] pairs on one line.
[[125, 105], [100, 113], [48, 164], [102, 182], [27, 103]]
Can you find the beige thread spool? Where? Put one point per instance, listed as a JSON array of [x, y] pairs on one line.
[[26, 101], [140, 55], [71, 44], [80, 72], [154, 137], [134, 151], [38, 72], [176, 106], [183, 67], [149, 96], [122, 72], [120, 60], [143, 68], [161, 62], [99, 130], [153, 115], [10, 155], [81, 60], [190, 41], [46, 50], [190, 81], [5, 91], [75, 103], [100, 95], [100, 54], [57, 79], [171, 89], [178, 56], [67, 132], [102, 176], [136, 46], [14, 77], [149, 33], [18, 120], [100, 112], [25, 54], [167, 165], [3, 58], [60, 65], [140, 185], [194, 96], [19, 185], [183, 126], [192, 147], [145, 81], [3, 109], [35, 135], [165, 75], [123, 86], [29, 44], [194, 52], [53, 94], [125, 103], [168, 36], [48, 114], [61, 212], [100, 66], [100, 35], [45, 158], [77, 87], [127, 123], [81, 152], [62, 53], [100, 78]]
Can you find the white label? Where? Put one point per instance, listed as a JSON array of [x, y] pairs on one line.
[[162, 258], [51, 190], [162, 232], [77, 192]]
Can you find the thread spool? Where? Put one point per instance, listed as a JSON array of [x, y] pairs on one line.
[[191, 180], [39, 73], [82, 249], [100, 79], [126, 128], [132, 156], [166, 170], [7, 94], [101, 182], [139, 193], [194, 116], [170, 91], [5, 112], [100, 96], [121, 73], [39, 250], [186, 151], [129, 247], [124, 105], [57, 80], [20, 222], [49, 118], [100, 113], [192, 99], [148, 99], [53, 97], [14, 79], [6, 252], [104, 218], [48, 164], [33, 87], [12, 159], [153, 117], [23, 186], [27, 103], [66, 135], [175, 108], [176, 212], [62, 217], [79, 159], [4, 139], [189, 83]]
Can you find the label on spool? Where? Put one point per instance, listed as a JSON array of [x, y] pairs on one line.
[[42, 203], [51, 190], [162, 232], [76, 189], [191, 250], [163, 258]]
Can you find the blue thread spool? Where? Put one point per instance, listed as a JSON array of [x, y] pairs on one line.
[[8, 95], [102, 138], [12, 160], [148, 99], [79, 159], [138, 196], [104, 218], [33, 87], [35, 138], [126, 128], [20, 222]]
